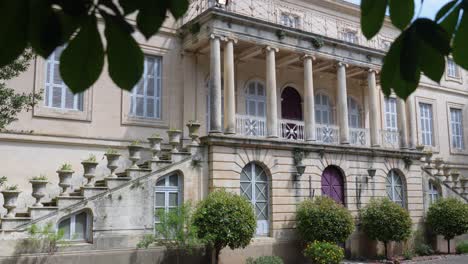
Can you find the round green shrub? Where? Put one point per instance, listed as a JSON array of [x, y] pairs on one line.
[[265, 260], [462, 248], [324, 253], [385, 221], [448, 217], [423, 250], [322, 219], [225, 219]]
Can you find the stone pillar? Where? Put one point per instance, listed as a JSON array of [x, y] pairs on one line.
[[309, 103], [229, 89], [373, 109], [272, 108], [215, 84], [401, 115], [413, 135], [342, 103]]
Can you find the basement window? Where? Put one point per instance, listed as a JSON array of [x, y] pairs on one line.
[[76, 227]]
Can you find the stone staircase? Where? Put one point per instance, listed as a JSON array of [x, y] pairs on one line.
[[161, 163]]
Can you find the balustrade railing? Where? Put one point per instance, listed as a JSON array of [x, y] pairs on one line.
[[291, 129], [328, 134], [310, 20], [390, 138], [250, 126], [358, 136]]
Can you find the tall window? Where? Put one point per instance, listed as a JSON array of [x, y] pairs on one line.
[[254, 187], [456, 124], [57, 94], [323, 110], [349, 36], [433, 193], [255, 99], [395, 188], [354, 113], [427, 124], [146, 96], [391, 114], [289, 20], [452, 69], [76, 226], [167, 194]]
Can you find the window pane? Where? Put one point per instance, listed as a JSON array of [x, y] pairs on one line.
[[161, 182], [64, 227], [160, 199], [173, 199], [139, 106], [57, 97], [174, 180], [69, 99], [80, 226], [150, 108]]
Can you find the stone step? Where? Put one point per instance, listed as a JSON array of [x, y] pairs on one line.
[[52, 203], [92, 191], [122, 174], [8, 224], [36, 212], [136, 173], [65, 201], [100, 183], [112, 183], [159, 164]]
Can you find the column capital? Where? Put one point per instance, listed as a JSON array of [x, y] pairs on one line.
[[270, 48], [231, 38], [372, 70], [307, 56], [342, 64], [217, 36]]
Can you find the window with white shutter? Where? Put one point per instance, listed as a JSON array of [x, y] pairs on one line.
[[146, 95], [456, 125], [427, 124]]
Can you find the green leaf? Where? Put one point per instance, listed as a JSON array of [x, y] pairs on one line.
[[130, 6], [45, 30], [449, 23], [460, 43], [445, 9], [124, 55], [390, 68], [372, 16], [13, 28], [433, 34], [432, 63], [409, 56], [401, 12], [82, 61], [178, 7], [151, 17]]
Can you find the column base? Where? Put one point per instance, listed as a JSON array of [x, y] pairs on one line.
[[345, 143], [272, 136], [229, 132], [311, 140], [215, 132], [376, 146]]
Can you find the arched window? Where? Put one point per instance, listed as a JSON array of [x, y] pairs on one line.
[[76, 226], [167, 194], [323, 110], [433, 192], [208, 102], [255, 99], [395, 188], [254, 186], [354, 113]]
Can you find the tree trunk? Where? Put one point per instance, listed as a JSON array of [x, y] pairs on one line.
[[448, 246], [385, 246]]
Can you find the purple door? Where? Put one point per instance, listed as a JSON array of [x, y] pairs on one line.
[[332, 184]]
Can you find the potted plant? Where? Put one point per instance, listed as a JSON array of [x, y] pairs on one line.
[[134, 151], [455, 175], [194, 127], [419, 147], [89, 168], [428, 156], [112, 156], [10, 197], [65, 173], [39, 184], [174, 139], [155, 145], [438, 164]]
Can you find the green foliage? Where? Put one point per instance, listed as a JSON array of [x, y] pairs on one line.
[[45, 237], [423, 250], [462, 248], [385, 221], [448, 217], [408, 254], [91, 158], [66, 167], [225, 219], [324, 253], [135, 143], [41, 177], [12, 103], [3, 179], [323, 219], [146, 241], [265, 260], [11, 188], [422, 44], [45, 25], [111, 151]]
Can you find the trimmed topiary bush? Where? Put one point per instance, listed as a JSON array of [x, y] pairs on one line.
[[462, 248], [449, 218], [324, 253], [224, 219], [265, 260], [384, 220], [322, 219]]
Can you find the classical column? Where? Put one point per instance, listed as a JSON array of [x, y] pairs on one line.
[[410, 108], [373, 109], [342, 103], [215, 84], [401, 115], [272, 108], [309, 107], [229, 88]]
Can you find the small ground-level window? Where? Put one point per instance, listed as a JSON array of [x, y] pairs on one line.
[[76, 226], [167, 195], [433, 193]]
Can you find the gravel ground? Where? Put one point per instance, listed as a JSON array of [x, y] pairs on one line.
[[442, 259]]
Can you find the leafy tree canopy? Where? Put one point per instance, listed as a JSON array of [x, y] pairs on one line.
[[46, 24], [423, 43]]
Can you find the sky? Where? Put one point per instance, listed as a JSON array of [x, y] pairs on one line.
[[429, 7]]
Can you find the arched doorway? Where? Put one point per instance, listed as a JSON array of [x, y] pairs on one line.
[[333, 184], [291, 110]]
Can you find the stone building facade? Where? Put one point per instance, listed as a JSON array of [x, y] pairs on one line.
[[288, 99]]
